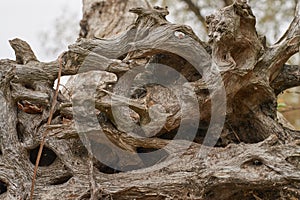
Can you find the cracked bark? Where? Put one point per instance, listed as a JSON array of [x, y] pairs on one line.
[[255, 156]]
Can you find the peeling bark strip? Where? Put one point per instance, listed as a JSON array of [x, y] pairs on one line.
[[255, 157]]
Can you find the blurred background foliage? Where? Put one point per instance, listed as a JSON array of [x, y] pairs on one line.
[[273, 18], [63, 32]]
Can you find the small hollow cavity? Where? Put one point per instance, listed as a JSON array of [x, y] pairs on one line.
[[169, 135], [228, 136], [257, 194], [252, 132], [180, 67], [230, 192], [79, 149], [3, 187], [104, 168], [151, 156], [105, 158], [199, 138], [61, 180], [29, 86], [47, 158], [255, 162]]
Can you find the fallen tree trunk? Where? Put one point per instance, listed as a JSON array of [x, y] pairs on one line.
[[164, 115]]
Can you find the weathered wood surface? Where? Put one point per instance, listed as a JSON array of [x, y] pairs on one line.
[[254, 158]]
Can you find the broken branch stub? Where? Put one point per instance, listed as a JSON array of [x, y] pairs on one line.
[[234, 39]]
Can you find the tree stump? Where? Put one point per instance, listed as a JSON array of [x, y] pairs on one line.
[[154, 112]]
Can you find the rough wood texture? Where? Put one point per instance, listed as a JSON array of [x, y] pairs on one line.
[[98, 21], [254, 158]]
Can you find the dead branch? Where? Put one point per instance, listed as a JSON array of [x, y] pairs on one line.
[[288, 77]]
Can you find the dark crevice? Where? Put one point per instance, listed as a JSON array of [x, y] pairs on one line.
[[200, 135], [86, 196], [151, 156], [44, 121], [78, 149], [228, 136], [29, 86], [48, 156], [198, 138], [104, 168], [57, 120], [269, 109], [254, 134], [106, 157], [139, 92], [257, 194], [254, 162], [228, 192], [3, 187], [62, 180], [56, 114], [181, 65], [294, 160], [20, 131], [169, 135]]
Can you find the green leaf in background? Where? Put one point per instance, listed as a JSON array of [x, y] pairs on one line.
[[281, 105]]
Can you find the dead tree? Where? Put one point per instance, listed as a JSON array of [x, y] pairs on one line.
[[132, 106]]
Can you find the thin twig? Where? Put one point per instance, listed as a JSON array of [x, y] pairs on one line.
[[47, 130], [67, 90], [289, 109], [256, 197], [235, 134]]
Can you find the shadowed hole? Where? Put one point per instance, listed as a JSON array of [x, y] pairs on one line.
[[29, 86], [104, 168], [62, 180], [188, 135], [151, 156], [47, 158], [78, 149], [105, 155], [228, 192], [169, 135], [255, 162], [3, 187], [86, 196], [181, 65]]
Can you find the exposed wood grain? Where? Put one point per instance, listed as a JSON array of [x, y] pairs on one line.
[[289, 77], [255, 156]]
